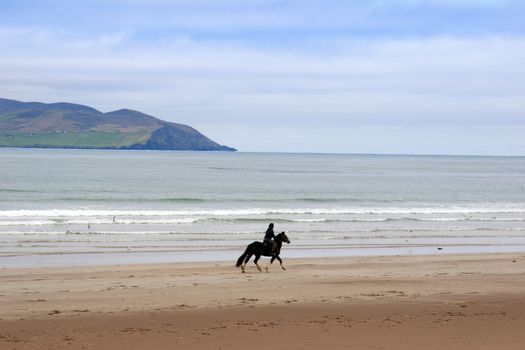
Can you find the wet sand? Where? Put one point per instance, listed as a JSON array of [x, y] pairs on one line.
[[419, 302]]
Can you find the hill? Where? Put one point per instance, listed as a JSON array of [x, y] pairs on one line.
[[68, 125]]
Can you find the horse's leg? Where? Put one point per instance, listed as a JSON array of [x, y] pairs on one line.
[[267, 268], [243, 266], [257, 257], [280, 262]]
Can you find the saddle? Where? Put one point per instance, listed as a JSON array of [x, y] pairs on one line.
[[267, 249]]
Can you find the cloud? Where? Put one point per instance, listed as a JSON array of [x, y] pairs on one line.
[[275, 64], [389, 81]]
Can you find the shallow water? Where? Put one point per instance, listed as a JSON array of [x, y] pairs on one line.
[[88, 206]]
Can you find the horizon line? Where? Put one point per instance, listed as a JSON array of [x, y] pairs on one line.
[[274, 152]]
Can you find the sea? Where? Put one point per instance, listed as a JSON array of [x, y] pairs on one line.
[[92, 207]]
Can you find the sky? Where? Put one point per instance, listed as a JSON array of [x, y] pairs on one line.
[[376, 76]]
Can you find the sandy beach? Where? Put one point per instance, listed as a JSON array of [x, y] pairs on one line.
[[415, 302]]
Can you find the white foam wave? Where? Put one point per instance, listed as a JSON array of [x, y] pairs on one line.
[[173, 221], [61, 213], [137, 221], [28, 223], [87, 221]]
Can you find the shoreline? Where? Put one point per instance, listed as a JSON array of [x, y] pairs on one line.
[[468, 301], [126, 257]]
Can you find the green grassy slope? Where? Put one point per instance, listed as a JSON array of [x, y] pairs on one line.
[[86, 139]]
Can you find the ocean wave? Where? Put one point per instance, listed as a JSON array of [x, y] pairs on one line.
[[455, 219], [456, 232], [108, 221], [28, 223], [92, 197], [13, 190], [174, 221], [127, 200], [496, 209], [137, 221], [345, 199], [102, 217]]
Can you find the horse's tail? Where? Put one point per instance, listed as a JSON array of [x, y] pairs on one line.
[[241, 258]]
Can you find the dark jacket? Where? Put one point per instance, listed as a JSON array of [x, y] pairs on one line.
[[269, 234]]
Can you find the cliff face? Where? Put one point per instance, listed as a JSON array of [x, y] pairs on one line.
[[67, 125], [174, 137]]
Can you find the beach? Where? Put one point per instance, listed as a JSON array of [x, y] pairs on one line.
[[469, 301], [135, 250]]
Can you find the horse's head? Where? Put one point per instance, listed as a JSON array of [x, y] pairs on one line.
[[282, 237]]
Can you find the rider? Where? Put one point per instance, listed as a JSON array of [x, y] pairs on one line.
[[269, 238]]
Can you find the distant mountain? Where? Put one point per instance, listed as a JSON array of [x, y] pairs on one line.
[[68, 125]]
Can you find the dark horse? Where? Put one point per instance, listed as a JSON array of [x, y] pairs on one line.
[[258, 249]]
